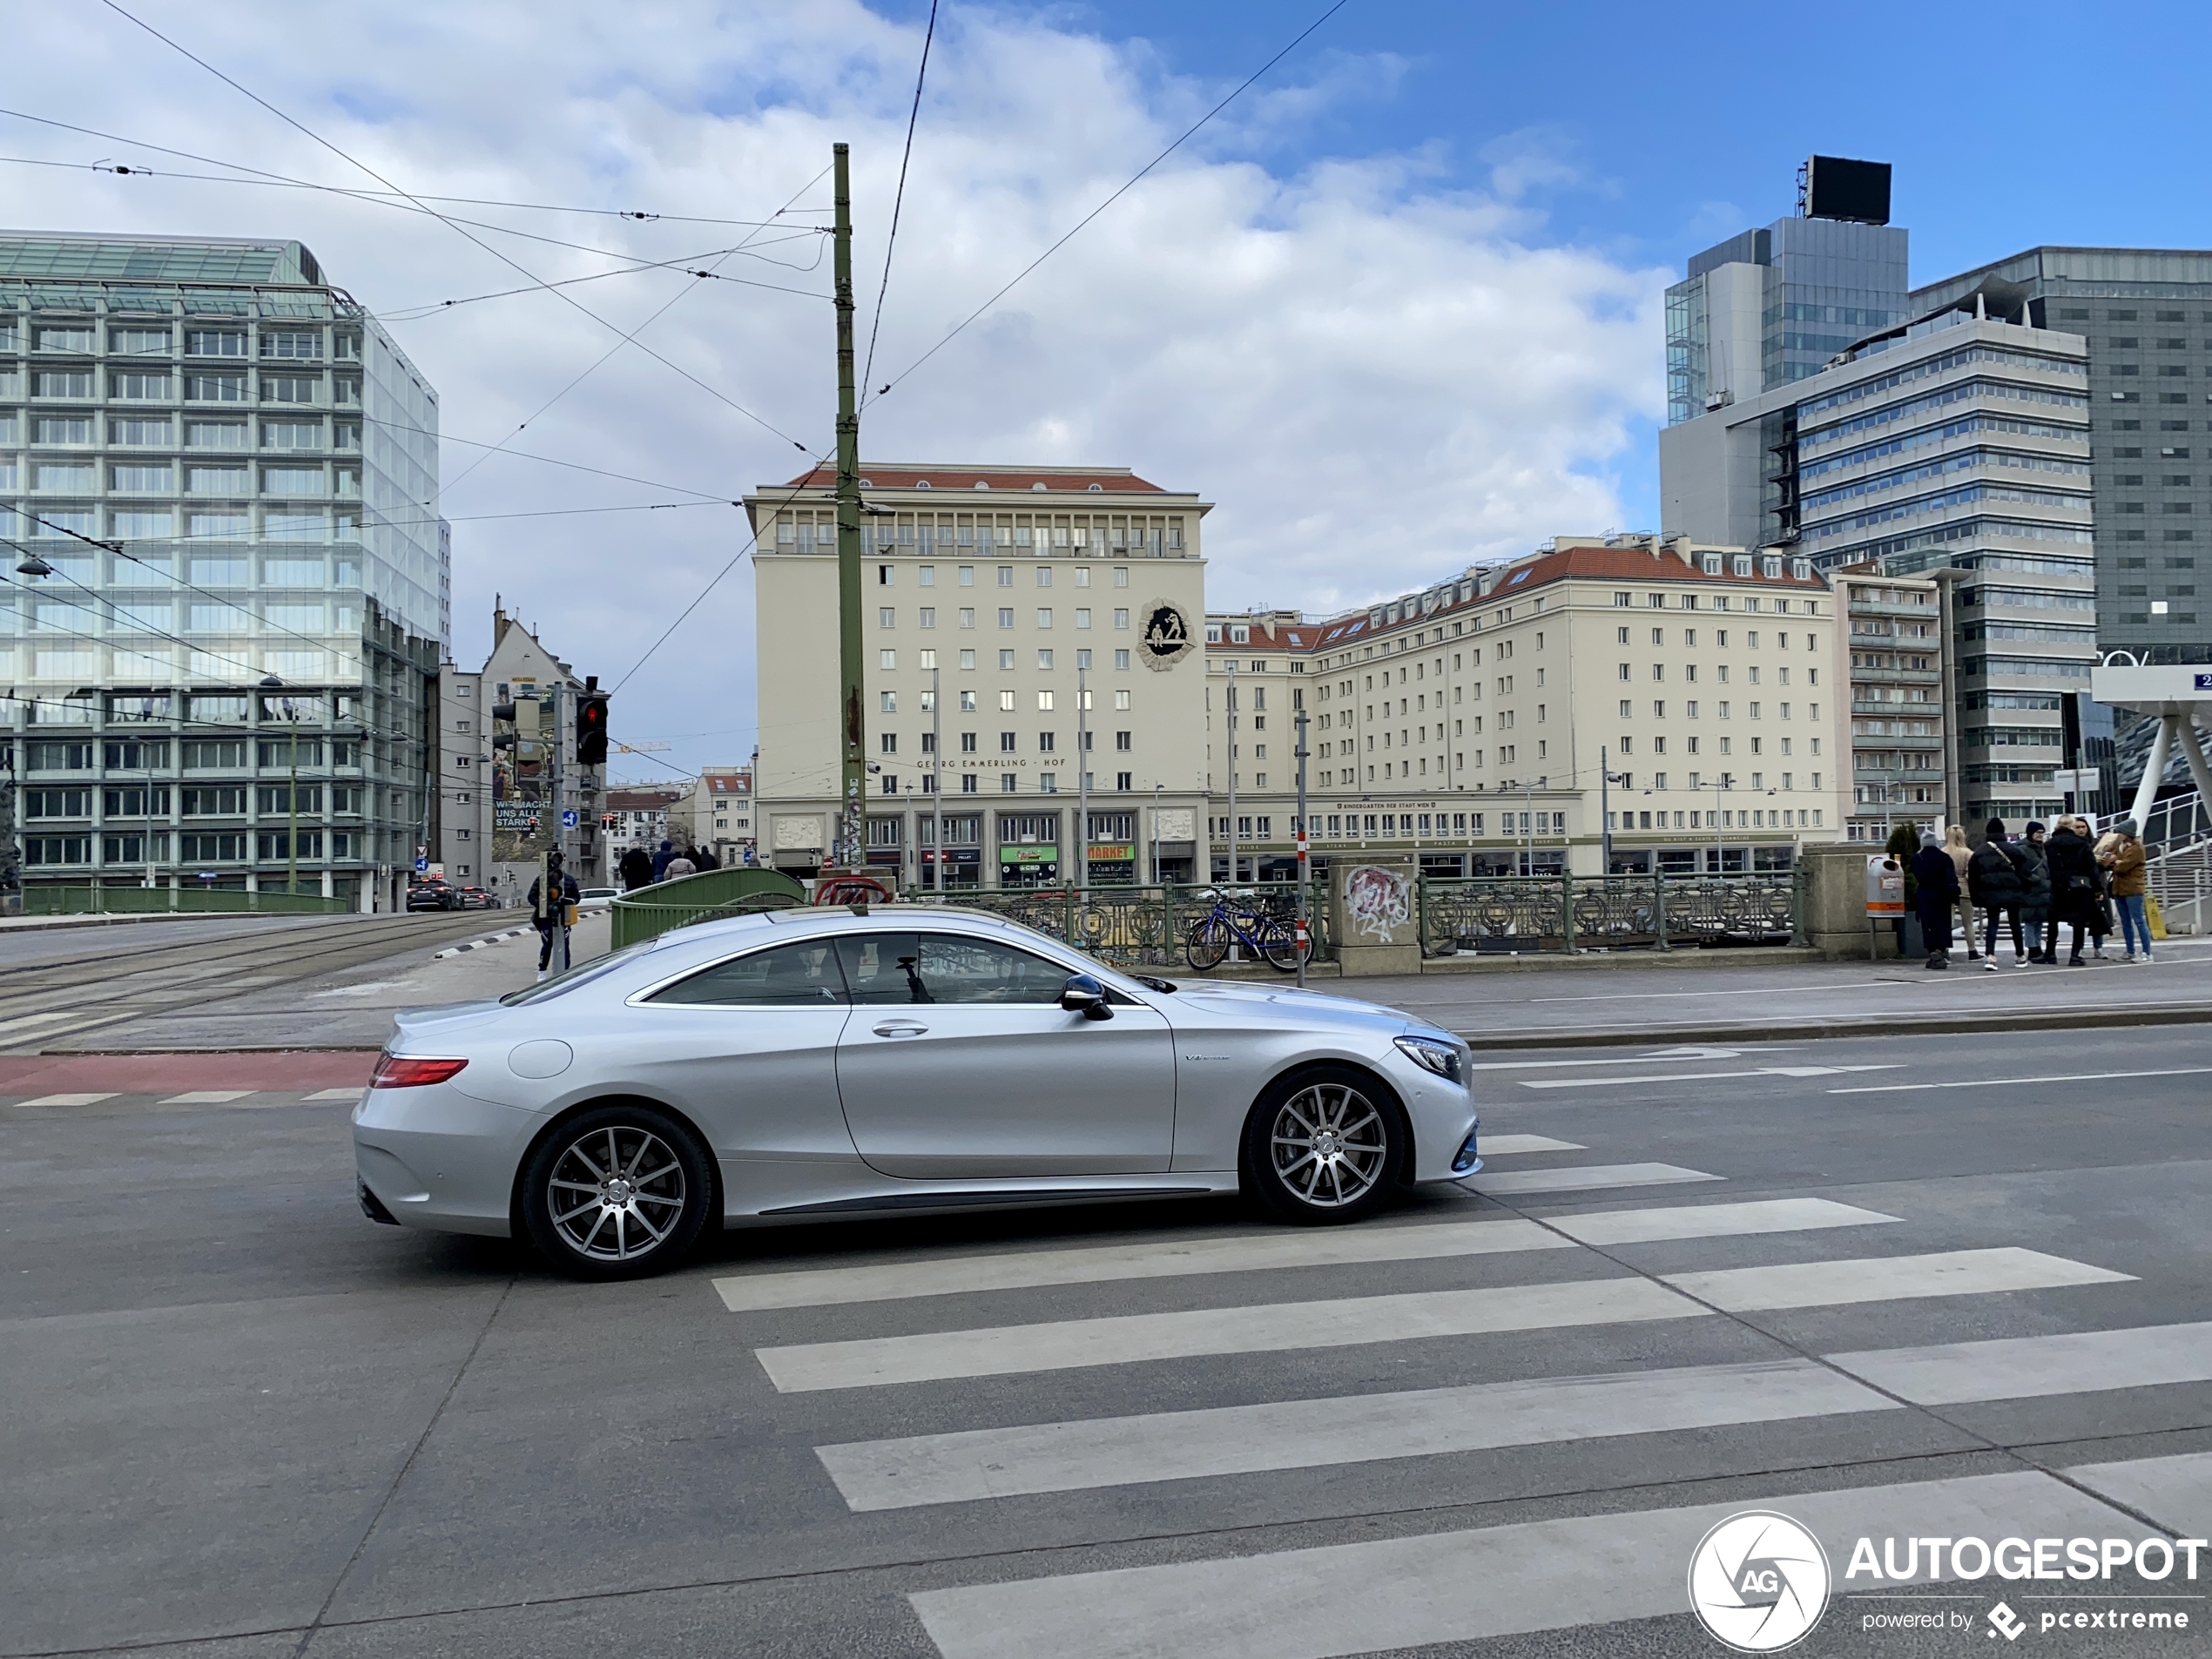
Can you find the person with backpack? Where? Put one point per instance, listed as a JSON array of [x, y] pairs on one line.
[[1994, 881]]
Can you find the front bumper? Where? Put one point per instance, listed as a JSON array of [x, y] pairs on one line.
[[439, 1159]]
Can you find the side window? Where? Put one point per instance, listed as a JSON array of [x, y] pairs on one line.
[[882, 967], [982, 970], [798, 975]]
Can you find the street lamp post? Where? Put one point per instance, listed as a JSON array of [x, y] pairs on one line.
[[292, 798], [1726, 780], [937, 743], [1304, 931]]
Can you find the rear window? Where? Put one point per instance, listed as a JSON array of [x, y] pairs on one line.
[[801, 974], [561, 984]]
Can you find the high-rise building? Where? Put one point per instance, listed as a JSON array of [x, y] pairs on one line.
[[2146, 316], [228, 596], [1770, 306]]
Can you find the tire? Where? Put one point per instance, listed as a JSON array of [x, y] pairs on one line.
[[636, 1153], [1278, 945], [1208, 944], [1359, 1164]]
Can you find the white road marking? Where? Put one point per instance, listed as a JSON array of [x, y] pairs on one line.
[[954, 1275], [334, 1094], [2023, 1083], [1271, 1328], [2177, 1490], [1713, 1220], [1584, 1177], [23, 1021], [1887, 1278], [1455, 1587], [1661, 996], [1700, 1077], [209, 1096], [66, 1100], [1499, 1146], [1282, 1327], [1632, 1060], [1951, 1373], [1314, 1433]]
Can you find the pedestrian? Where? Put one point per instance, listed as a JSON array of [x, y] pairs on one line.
[[636, 869], [2100, 922], [551, 905], [661, 858], [2124, 861], [1937, 898], [706, 859], [1904, 843], [2073, 887], [678, 866], [1994, 882], [1954, 843], [2035, 902]]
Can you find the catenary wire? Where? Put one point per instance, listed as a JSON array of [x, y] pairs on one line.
[[566, 299], [434, 308], [958, 328], [899, 201]]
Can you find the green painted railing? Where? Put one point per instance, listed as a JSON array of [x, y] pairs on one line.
[[707, 896], [1131, 927], [43, 901]]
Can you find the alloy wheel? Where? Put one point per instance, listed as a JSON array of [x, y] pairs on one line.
[[1329, 1145], [616, 1194]]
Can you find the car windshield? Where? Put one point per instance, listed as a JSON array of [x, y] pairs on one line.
[[560, 984]]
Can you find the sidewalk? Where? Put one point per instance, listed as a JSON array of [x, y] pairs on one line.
[[1562, 1007]]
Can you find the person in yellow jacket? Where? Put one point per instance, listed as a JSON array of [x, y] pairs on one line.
[[2123, 855]]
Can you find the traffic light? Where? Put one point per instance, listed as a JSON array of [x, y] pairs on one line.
[[591, 728]]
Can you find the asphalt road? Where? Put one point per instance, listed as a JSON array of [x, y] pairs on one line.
[[244, 1421]]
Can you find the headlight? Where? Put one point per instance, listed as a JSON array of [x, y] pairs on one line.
[[1433, 1055]]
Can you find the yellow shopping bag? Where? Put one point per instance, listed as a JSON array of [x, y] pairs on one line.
[[2157, 921]]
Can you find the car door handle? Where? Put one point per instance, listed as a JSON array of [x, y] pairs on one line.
[[901, 1028]]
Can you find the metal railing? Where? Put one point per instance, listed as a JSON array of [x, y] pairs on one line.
[[43, 901], [1131, 927], [708, 896], [1562, 914]]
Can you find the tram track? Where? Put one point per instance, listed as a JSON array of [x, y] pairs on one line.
[[48, 1000]]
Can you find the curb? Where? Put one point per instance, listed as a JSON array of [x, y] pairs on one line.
[[1938, 1025], [478, 944]]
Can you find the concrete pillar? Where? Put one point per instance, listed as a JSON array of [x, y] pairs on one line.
[[2154, 769], [2193, 750]]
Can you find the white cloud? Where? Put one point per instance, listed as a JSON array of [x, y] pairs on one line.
[[1377, 378]]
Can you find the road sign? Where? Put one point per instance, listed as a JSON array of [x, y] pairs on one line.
[[569, 819], [422, 867]]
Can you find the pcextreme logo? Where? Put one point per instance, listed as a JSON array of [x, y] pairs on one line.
[[1758, 1581]]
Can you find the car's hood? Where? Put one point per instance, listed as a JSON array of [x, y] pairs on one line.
[[1217, 999]]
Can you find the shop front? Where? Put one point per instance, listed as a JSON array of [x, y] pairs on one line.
[[1111, 863], [1028, 867], [963, 866]]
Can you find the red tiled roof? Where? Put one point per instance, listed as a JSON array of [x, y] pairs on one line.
[[1111, 481]]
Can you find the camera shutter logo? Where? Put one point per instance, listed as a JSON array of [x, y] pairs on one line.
[[1758, 1581]]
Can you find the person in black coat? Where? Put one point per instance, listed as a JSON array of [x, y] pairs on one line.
[[636, 869], [2035, 887], [1936, 896], [1994, 882], [2074, 885]]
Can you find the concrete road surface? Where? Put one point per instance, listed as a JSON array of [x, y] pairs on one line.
[[1894, 1288]]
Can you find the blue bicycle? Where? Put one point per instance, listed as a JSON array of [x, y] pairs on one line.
[[1258, 935]]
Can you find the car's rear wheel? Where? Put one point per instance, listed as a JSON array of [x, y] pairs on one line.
[[617, 1193], [1323, 1146]]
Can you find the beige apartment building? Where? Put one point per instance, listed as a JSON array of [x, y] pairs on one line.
[[1033, 636], [1896, 635], [1474, 722]]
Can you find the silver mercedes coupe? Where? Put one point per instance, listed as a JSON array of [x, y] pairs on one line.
[[806, 1065]]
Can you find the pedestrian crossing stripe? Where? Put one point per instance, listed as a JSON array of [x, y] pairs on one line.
[[1251, 1252], [1382, 1594], [1581, 1178], [1279, 1327], [1320, 1432]]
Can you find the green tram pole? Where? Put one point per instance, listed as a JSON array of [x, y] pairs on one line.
[[850, 852]]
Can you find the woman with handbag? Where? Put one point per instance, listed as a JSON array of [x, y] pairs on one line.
[[2074, 885]]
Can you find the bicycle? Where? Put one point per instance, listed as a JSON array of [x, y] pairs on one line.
[[1208, 943]]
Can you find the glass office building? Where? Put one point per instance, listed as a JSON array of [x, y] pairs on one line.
[[226, 596]]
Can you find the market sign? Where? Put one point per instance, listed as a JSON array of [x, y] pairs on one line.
[[1111, 854]]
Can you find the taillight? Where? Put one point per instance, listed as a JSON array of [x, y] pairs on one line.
[[399, 1071]]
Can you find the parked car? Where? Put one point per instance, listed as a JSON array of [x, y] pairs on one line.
[[810, 1064], [431, 895], [597, 899]]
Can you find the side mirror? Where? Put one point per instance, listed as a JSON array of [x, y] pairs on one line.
[[1085, 996]]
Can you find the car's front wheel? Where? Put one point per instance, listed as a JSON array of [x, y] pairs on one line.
[[617, 1193], [1323, 1146]]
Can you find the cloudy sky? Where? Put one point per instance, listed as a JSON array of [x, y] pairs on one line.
[[1395, 310]]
